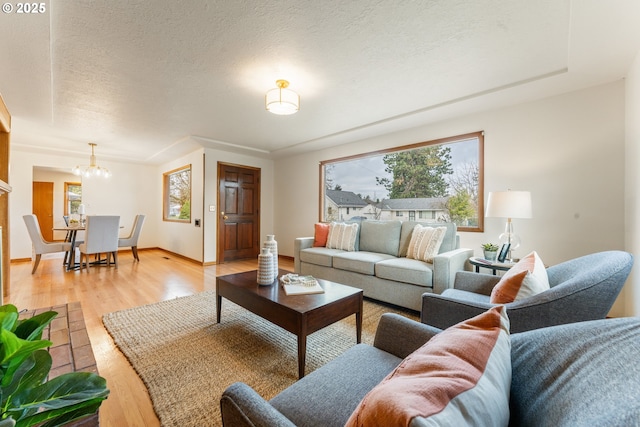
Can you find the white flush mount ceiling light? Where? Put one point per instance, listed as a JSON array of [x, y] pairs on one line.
[[281, 100], [93, 169]]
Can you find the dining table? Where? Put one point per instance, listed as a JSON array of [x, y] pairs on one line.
[[71, 237]]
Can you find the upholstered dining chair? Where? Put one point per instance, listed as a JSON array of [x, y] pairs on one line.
[[41, 246], [132, 238], [101, 237], [581, 289]]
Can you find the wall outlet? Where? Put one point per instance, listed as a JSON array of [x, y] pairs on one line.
[[197, 222]]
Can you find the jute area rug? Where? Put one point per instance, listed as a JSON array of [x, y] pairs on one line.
[[187, 360]]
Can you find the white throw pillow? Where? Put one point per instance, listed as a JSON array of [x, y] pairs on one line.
[[425, 242], [342, 236]]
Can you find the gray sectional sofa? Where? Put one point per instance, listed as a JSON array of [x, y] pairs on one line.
[[579, 374], [379, 265]]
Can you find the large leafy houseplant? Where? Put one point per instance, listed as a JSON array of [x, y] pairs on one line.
[[26, 397]]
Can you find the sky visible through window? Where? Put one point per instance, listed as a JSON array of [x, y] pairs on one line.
[[359, 175]]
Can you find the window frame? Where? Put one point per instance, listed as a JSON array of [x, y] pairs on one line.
[[166, 188], [441, 141], [66, 196]]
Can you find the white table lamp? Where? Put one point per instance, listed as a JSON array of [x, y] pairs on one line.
[[509, 204]]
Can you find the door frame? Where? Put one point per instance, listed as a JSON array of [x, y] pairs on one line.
[[219, 222]]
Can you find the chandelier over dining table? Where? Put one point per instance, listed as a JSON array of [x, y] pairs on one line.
[[93, 169]]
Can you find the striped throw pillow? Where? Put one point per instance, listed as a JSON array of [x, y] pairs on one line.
[[425, 242], [342, 236]]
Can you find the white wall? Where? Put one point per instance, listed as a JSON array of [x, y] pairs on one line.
[[131, 190], [179, 237], [567, 150], [200, 243], [212, 157], [631, 293], [137, 189]]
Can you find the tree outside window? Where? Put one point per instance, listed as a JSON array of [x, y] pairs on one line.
[[177, 195]]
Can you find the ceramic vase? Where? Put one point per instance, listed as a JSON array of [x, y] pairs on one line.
[[272, 245], [265, 267]]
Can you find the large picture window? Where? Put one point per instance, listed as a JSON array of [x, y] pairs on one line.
[[177, 194], [433, 181]]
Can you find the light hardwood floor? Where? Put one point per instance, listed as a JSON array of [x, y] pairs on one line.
[[158, 276]]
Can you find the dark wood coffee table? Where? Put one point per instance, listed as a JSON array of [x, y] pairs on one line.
[[299, 314]]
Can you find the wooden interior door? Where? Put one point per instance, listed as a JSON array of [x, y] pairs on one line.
[[238, 212], [42, 205]]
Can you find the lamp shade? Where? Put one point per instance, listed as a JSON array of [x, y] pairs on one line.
[[281, 100], [509, 204]]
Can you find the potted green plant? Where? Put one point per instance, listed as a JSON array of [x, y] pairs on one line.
[[27, 398], [490, 251]]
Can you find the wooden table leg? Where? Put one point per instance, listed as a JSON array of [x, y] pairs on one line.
[[302, 350], [218, 307], [359, 324]]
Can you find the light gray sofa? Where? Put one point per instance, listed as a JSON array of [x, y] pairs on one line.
[[379, 265], [579, 374]]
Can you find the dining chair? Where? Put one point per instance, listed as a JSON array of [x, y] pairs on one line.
[[41, 246], [132, 239], [101, 236]]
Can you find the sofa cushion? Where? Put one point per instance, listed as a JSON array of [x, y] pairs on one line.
[[336, 388], [321, 234], [525, 279], [579, 374], [449, 242], [359, 262], [466, 296], [380, 236], [319, 256], [462, 376], [425, 242], [342, 236], [405, 270]]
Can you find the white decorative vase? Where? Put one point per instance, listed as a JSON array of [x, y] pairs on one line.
[[265, 267], [272, 245]]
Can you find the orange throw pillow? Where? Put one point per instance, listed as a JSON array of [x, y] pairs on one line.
[[460, 377], [321, 234], [525, 279]]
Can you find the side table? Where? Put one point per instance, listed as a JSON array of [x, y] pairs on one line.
[[491, 265]]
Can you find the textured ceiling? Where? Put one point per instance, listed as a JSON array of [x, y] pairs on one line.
[[149, 81]]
